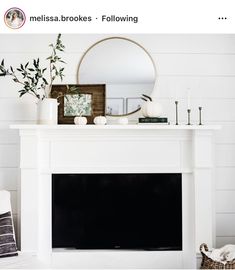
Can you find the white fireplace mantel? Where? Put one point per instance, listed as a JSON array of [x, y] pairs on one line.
[[115, 127], [116, 148]]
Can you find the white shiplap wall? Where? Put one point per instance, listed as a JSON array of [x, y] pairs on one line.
[[204, 63]]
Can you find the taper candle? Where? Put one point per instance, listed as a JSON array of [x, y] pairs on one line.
[[200, 116], [188, 99], [189, 121], [176, 113]]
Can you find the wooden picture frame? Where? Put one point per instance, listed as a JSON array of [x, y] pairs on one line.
[[93, 94]]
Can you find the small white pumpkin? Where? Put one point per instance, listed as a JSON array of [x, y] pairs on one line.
[[151, 109], [100, 120], [80, 120]]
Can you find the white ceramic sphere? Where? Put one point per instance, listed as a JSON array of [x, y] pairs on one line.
[[80, 120], [100, 120]]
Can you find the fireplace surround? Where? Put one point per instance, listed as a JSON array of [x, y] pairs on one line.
[[47, 150]]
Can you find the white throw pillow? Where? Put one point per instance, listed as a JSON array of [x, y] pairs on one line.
[[5, 201]]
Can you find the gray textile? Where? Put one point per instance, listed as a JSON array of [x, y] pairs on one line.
[[7, 240]]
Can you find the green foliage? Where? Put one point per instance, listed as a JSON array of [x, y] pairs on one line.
[[2, 69], [32, 77]]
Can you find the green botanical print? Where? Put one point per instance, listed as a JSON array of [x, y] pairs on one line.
[[75, 105]]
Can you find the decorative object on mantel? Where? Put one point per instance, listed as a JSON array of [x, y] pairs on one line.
[[150, 108], [200, 116], [76, 98], [47, 111], [100, 120], [122, 121], [82, 109], [33, 81], [80, 120], [176, 113], [188, 112], [223, 258], [189, 106], [124, 62], [153, 120]]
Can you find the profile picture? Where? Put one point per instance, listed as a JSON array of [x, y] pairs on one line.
[[14, 18]]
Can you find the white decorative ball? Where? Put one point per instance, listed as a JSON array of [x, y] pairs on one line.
[[100, 120], [151, 109], [80, 120]]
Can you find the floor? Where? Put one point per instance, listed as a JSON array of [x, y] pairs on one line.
[[21, 262]]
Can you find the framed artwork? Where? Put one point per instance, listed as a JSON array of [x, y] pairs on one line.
[[79, 100], [115, 106], [133, 103]]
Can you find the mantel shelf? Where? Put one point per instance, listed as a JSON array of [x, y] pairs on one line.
[[115, 127]]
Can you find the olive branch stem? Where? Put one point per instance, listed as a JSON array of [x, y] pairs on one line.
[[33, 79]]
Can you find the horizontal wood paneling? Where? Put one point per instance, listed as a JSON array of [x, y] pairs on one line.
[[8, 136], [225, 224], [195, 64], [9, 155], [190, 43], [224, 240], [8, 178], [15, 109], [225, 155], [221, 241], [160, 43], [225, 201], [200, 87], [226, 135], [225, 178]]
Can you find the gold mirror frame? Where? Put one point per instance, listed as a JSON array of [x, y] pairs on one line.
[[122, 38]]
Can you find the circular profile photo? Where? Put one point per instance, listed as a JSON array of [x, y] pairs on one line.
[[14, 18]]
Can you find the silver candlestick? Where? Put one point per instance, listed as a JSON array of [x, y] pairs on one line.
[[189, 112], [176, 113], [200, 115]]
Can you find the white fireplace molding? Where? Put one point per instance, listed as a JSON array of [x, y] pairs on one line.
[[116, 149]]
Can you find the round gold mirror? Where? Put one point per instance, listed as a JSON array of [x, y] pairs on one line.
[[126, 68]]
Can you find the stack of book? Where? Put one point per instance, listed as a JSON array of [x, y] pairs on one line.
[[154, 120]]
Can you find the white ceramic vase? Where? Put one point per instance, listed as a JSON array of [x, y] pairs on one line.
[[47, 111]]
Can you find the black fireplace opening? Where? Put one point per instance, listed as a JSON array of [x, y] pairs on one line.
[[117, 211]]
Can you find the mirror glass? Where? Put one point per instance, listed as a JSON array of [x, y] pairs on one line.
[[125, 67]]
